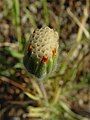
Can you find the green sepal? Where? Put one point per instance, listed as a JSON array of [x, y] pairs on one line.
[[41, 71], [31, 63], [55, 59], [49, 65]]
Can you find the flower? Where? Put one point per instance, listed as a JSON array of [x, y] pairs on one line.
[[41, 52]]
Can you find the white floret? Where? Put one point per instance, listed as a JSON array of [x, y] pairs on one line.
[[43, 41]]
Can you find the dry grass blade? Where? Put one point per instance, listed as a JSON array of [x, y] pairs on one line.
[[80, 24], [4, 79]]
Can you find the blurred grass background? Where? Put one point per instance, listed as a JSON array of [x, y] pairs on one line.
[[68, 89]]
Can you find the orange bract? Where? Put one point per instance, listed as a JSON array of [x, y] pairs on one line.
[[44, 59], [54, 51], [29, 48]]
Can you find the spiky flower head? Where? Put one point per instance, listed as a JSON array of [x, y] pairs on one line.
[[41, 52]]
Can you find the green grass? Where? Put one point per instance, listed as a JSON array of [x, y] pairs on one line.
[[51, 103]]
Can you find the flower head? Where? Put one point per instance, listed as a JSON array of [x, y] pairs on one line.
[[41, 52]]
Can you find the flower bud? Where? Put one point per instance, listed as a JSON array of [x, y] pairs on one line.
[[41, 52]]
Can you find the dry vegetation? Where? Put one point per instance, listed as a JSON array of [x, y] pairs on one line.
[[67, 91]]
